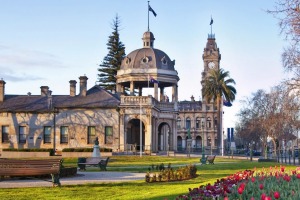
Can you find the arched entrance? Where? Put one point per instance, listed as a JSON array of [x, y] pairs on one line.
[[133, 135], [165, 141]]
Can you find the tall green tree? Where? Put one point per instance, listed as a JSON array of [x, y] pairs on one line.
[[112, 61], [218, 85]]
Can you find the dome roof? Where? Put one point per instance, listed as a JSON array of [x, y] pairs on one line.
[[148, 58]]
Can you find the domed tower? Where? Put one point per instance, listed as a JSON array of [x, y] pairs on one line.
[[147, 67], [151, 69]]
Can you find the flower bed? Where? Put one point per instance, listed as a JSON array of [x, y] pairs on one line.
[[182, 173], [266, 184]]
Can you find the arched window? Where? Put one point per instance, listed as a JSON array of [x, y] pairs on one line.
[[198, 122], [188, 123], [178, 122], [215, 122], [208, 123]]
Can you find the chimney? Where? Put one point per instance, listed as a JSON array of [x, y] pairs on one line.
[[2, 87], [192, 98], [49, 99], [44, 90], [83, 85], [72, 88]]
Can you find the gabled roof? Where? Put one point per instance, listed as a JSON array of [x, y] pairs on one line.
[[96, 97]]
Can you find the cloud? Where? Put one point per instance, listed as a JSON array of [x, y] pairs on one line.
[[17, 58], [9, 75]]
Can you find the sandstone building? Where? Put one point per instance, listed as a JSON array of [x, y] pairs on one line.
[[121, 120]]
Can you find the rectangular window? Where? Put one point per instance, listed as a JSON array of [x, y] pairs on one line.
[[108, 135], [91, 134], [47, 134], [22, 134], [5, 134], [64, 134]]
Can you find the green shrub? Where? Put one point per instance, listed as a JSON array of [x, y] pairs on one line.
[[85, 150], [51, 151]]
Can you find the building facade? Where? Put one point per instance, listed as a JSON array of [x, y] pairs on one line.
[[137, 116]]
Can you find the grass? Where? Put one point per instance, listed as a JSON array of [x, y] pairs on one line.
[[137, 189]]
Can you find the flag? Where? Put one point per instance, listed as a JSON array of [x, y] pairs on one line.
[[211, 21], [150, 9], [152, 80], [227, 103]]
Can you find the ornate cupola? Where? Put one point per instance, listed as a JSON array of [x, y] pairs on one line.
[[148, 40]]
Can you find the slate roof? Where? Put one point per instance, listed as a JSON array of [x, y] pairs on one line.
[[96, 97]]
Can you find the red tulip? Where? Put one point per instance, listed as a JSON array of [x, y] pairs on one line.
[[263, 196], [268, 198], [276, 195], [252, 198], [253, 179], [240, 190], [261, 186], [298, 176]]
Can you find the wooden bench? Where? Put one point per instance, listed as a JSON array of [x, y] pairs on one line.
[[210, 159], [31, 168], [93, 161]]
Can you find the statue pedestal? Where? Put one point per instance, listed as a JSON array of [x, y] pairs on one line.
[[96, 151]]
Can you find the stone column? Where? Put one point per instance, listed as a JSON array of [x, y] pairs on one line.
[[162, 97], [174, 93], [156, 91], [131, 88]]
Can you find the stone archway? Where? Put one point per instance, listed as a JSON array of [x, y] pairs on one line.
[[134, 134], [165, 137]]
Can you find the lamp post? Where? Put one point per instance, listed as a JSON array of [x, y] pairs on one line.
[[203, 160]]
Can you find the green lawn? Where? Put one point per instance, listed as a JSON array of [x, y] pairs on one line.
[[137, 189]]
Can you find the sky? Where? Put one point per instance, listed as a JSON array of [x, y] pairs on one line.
[[50, 42]]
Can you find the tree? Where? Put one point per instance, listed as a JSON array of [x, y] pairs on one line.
[[112, 61], [288, 14], [270, 115], [218, 85]]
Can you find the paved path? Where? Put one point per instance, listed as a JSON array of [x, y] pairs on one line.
[[80, 178]]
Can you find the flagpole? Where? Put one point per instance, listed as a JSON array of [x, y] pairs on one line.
[[148, 16], [148, 84], [210, 26]]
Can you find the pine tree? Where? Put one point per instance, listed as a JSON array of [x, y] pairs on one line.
[[112, 61]]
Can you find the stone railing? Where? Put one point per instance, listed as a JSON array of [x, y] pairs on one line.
[[136, 100], [147, 100]]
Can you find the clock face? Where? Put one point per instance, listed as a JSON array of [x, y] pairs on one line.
[[211, 65]]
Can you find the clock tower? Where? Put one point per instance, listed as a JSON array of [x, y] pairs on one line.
[[211, 57]]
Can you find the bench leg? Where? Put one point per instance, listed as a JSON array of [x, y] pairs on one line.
[[81, 167], [102, 167], [55, 180]]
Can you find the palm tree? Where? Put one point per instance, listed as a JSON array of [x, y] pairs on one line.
[[218, 86]]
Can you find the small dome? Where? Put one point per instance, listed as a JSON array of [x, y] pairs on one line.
[[148, 39], [149, 35]]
